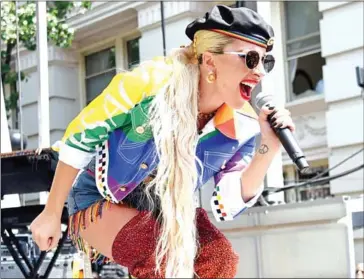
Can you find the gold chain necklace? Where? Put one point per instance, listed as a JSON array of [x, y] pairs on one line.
[[205, 116]]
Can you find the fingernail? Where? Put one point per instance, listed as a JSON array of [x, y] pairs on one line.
[[274, 119], [274, 123], [279, 126]]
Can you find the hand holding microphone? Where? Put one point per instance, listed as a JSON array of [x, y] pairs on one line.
[[277, 124]]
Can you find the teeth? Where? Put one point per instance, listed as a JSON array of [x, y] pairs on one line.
[[248, 84]]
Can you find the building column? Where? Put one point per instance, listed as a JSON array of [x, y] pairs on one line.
[[9, 200], [344, 99], [43, 98], [5, 136], [274, 83], [119, 55]]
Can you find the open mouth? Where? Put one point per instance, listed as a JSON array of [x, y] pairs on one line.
[[246, 90]]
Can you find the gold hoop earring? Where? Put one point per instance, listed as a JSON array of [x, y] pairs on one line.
[[211, 77]]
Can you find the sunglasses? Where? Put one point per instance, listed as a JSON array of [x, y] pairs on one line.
[[252, 59]]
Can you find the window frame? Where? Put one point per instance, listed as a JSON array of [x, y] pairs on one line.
[[85, 77], [318, 166], [125, 47], [288, 84]]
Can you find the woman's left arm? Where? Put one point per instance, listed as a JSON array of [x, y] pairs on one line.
[[253, 176], [240, 183]]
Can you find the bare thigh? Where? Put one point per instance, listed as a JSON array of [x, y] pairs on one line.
[[101, 234]]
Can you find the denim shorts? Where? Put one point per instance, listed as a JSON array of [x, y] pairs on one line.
[[83, 194]]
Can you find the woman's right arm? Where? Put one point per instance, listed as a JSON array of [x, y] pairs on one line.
[[63, 179], [76, 149], [46, 228], [90, 128]]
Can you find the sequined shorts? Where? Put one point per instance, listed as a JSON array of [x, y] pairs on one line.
[[86, 205]]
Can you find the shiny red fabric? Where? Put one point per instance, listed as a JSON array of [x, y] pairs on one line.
[[134, 247]]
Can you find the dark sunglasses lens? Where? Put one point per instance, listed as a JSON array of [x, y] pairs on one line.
[[252, 59], [268, 63]]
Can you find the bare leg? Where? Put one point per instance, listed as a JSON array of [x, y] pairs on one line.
[[101, 234]]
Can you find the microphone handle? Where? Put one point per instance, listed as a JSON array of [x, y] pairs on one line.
[[289, 143]]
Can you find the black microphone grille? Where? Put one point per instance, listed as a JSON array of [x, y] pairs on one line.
[[263, 98]]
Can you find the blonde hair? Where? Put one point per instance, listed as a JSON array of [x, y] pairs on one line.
[[174, 123]]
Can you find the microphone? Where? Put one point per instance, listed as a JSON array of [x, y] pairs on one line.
[[284, 134]]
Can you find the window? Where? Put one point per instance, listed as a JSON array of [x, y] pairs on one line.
[[315, 192], [132, 48], [100, 69], [15, 121], [303, 49], [292, 176]]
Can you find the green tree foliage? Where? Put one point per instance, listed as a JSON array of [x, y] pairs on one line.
[[59, 34]]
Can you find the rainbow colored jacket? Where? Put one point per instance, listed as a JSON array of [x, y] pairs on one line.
[[113, 128]]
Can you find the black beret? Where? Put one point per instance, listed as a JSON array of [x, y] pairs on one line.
[[241, 23]]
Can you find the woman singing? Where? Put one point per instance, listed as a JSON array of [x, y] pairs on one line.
[[132, 160]]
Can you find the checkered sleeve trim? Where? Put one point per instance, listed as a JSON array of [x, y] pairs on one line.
[[219, 208], [101, 170], [227, 202]]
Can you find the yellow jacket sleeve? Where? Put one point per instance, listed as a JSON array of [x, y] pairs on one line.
[[108, 111]]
